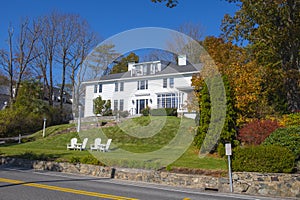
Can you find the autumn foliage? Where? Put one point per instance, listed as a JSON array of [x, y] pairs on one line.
[[256, 131], [244, 76]]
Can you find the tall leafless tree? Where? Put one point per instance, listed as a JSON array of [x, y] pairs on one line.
[[6, 61], [100, 58], [187, 41], [28, 36], [17, 59], [47, 46], [86, 40]]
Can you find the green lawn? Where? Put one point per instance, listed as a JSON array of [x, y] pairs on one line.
[[142, 142]]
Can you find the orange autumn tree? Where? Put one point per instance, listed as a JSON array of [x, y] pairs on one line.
[[244, 75]]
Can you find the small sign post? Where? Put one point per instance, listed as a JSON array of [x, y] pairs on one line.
[[44, 127], [79, 119], [229, 153]]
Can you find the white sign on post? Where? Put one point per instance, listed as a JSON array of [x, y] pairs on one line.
[[229, 153], [228, 149]]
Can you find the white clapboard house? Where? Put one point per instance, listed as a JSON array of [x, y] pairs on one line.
[[156, 84]]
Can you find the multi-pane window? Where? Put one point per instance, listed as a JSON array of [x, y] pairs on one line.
[[122, 86], [95, 88], [116, 105], [168, 100], [116, 86], [121, 104], [142, 85], [165, 83], [171, 82], [99, 87], [154, 68]]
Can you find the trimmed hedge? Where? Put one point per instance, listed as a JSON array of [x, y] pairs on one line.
[[286, 137], [164, 112], [265, 159]]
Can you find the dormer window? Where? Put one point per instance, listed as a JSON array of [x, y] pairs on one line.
[[142, 69], [153, 68]]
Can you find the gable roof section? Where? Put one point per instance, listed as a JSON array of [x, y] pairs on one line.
[[169, 69]]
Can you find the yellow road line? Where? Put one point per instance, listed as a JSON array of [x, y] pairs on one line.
[[69, 190]]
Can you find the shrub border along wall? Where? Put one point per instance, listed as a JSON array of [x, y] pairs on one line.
[[273, 184]]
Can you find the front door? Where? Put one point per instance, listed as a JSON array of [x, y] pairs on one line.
[[140, 105]]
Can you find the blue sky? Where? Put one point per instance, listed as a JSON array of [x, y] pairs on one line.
[[109, 17]]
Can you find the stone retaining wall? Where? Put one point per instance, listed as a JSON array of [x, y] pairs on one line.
[[276, 185]]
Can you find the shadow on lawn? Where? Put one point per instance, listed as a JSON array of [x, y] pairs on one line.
[[29, 155]]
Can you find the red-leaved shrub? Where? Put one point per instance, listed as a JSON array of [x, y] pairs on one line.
[[256, 131]]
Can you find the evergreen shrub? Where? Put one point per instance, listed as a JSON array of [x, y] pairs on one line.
[[286, 137], [264, 159]]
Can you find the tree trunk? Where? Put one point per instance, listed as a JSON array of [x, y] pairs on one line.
[[292, 90]]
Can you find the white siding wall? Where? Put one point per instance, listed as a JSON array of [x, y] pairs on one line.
[[89, 96], [131, 94]]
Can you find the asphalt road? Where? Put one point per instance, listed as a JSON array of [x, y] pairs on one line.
[[24, 184]]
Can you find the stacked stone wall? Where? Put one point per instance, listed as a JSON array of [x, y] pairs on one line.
[[275, 185]]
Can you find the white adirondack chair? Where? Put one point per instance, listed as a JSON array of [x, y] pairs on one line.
[[82, 146], [73, 143], [96, 145], [105, 147]]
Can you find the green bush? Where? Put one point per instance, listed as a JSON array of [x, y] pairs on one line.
[[291, 119], [221, 150], [26, 114], [90, 160], [146, 111], [286, 137], [75, 160], [271, 159], [19, 121], [164, 112]]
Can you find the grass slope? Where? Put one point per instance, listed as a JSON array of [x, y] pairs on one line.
[[138, 136]]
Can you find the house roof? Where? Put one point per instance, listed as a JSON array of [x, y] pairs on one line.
[[4, 90], [168, 69]]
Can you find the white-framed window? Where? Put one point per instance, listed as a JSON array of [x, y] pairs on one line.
[[171, 82], [116, 104], [99, 87], [165, 83], [95, 88], [116, 86], [142, 85], [121, 86], [167, 100], [121, 104]]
